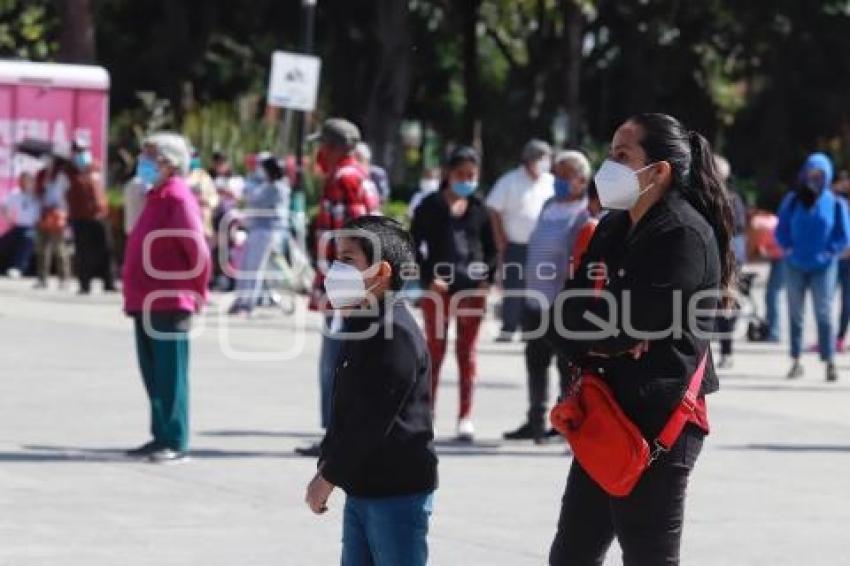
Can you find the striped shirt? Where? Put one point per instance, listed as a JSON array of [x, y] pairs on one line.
[[550, 247]]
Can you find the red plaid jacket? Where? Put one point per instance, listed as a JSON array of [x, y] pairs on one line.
[[348, 193]]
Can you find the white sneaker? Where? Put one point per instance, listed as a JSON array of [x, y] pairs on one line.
[[167, 456], [465, 430], [13, 273]]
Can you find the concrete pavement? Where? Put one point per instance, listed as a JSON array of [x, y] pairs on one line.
[[771, 488]]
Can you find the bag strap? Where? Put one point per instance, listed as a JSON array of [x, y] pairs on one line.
[[682, 413]]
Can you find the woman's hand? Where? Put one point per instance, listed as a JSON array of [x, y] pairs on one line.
[[438, 286], [639, 350], [318, 492]]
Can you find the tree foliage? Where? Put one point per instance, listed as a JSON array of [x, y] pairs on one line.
[[27, 30], [766, 80]]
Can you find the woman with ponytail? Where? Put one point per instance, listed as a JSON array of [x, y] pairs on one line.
[[639, 316]]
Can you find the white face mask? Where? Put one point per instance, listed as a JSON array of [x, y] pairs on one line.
[[618, 185], [344, 286]]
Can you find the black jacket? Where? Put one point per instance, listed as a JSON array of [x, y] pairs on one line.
[[380, 439], [672, 248], [454, 241]]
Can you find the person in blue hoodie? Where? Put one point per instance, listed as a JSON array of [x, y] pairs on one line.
[[814, 230]]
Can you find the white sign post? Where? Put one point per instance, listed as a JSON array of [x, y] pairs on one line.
[[294, 81]]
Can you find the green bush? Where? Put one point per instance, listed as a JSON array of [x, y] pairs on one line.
[[397, 210], [232, 129]]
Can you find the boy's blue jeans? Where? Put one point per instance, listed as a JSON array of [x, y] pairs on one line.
[[822, 284], [386, 531]]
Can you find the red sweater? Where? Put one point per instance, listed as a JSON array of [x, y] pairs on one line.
[[348, 193], [167, 262]]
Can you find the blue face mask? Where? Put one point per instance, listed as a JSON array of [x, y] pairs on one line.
[[82, 159], [195, 163], [464, 189], [147, 171], [562, 188]]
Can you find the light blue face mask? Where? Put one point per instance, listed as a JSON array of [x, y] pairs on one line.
[[464, 189], [82, 159], [147, 171]]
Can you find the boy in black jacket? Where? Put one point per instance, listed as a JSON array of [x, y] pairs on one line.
[[379, 445]]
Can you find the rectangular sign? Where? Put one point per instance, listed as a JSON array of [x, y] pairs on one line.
[[294, 81]]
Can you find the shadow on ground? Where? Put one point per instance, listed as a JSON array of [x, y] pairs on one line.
[[44, 453], [801, 448], [261, 434], [34, 453]]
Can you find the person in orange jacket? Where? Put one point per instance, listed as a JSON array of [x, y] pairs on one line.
[[88, 211]]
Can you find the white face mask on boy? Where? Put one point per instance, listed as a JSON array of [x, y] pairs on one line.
[[344, 286], [618, 185]]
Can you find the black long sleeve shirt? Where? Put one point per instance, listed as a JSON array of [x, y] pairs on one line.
[[652, 271], [380, 439], [460, 250]]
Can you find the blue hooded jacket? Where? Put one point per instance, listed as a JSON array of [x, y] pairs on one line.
[[814, 237]]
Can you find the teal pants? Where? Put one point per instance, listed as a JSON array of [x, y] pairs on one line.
[[164, 363]]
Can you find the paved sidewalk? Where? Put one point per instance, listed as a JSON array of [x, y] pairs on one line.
[[771, 488]]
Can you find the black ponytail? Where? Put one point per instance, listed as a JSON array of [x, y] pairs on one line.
[[707, 193], [695, 176]]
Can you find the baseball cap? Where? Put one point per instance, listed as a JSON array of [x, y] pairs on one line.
[[339, 132]]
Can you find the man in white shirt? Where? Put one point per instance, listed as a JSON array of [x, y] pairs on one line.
[[21, 209], [515, 203]]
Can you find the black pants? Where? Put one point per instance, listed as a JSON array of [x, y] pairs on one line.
[[513, 280], [16, 249], [726, 326], [93, 255], [538, 358], [647, 523]]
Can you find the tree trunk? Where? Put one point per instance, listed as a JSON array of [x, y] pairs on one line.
[[388, 86], [76, 38], [574, 22], [471, 118]]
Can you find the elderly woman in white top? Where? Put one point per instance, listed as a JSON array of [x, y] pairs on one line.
[[266, 216]]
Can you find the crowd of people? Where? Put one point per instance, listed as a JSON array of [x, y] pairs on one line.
[[656, 229], [668, 226], [668, 233], [62, 205]]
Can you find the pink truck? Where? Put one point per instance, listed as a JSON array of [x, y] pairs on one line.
[[50, 102]]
